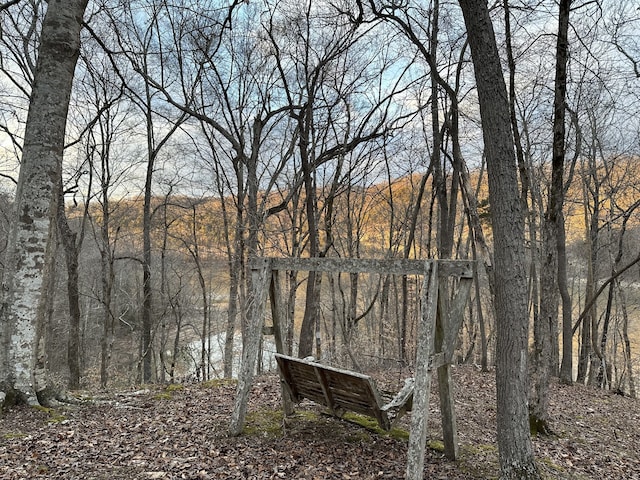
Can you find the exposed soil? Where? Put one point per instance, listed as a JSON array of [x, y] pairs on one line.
[[181, 432]]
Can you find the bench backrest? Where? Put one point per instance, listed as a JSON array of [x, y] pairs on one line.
[[335, 388]]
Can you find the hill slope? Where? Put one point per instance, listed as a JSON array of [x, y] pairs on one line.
[[180, 432]]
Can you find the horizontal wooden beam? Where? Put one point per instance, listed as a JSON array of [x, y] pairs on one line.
[[459, 268]]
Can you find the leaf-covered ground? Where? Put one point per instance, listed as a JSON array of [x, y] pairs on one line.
[[181, 432]]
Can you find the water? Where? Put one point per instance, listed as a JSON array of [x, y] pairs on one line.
[[216, 356]]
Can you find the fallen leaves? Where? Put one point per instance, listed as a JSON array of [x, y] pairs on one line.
[[183, 435]]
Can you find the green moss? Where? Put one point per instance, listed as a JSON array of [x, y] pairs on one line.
[[174, 387], [219, 382], [482, 448], [362, 420], [54, 415], [169, 390], [479, 460], [308, 415], [14, 435], [264, 423], [436, 445], [398, 434], [371, 424]]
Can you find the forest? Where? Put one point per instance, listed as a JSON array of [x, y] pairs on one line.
[[151, 150]]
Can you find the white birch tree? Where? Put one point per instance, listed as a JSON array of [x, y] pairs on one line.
[[24, 277]]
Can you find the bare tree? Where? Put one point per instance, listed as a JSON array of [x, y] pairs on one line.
[[20, 25], [554, 262], [329, 124], [140, 40], [5, 5], [72, 243]]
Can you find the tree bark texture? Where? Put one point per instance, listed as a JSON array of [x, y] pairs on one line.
[[422, 388], [36, 193], [514, 441]]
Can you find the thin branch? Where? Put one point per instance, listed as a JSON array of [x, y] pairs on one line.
[[5, 5], [591, 302]]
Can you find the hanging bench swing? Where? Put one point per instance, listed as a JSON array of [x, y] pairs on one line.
[[441, 313], [343, 390]]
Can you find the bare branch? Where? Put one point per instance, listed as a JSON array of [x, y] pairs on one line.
[[5, 5]]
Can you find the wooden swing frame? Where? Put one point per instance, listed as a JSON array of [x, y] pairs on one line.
[[440, 320]]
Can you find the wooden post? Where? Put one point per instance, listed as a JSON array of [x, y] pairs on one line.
[[455, 315], [448, 321], [424, 350], [260, 271], [279, 327], [445, 390]]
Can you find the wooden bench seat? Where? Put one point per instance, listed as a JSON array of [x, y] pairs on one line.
[[342, 390]]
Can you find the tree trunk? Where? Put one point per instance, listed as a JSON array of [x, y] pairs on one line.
[[543, 331], [557, 189], [312, 306], [205, 354], [566, 366], [147, 302], [71, 253], [514, 441], [35, 196], [546, 331], [235, 266], [484, 356], [235, 255], [107, 278], [603, 378], [627, 343], [590, 319]]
